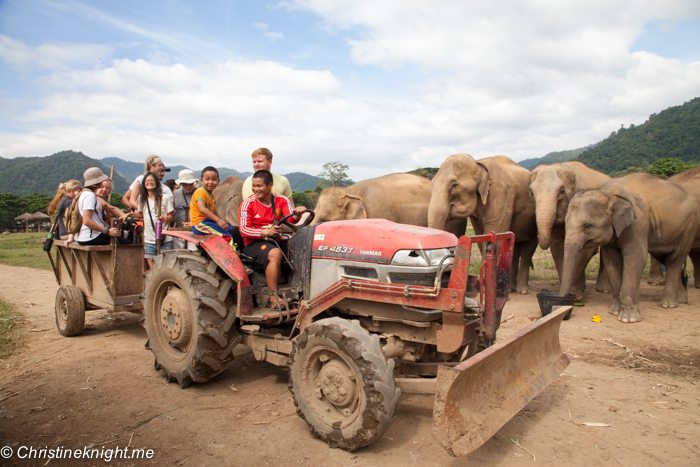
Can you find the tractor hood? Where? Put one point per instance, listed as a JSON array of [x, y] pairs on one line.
[[375, 240]]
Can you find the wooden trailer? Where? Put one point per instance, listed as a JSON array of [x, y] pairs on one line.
[[106, 277]]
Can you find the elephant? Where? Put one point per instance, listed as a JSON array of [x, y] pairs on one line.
[[551, 188], [399, 197], [630, 217], [229, 198], [494, 193], [690, 179]]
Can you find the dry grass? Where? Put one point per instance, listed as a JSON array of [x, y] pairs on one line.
[[545, 270], [10, 337]]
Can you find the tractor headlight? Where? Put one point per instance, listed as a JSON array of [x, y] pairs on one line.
[[423, 258]]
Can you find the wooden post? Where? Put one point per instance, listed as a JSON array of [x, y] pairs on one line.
[[111, 177]]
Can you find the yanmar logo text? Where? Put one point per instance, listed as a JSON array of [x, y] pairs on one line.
[[370, 253]]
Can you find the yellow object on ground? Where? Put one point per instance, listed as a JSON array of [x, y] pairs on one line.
[[596, 319]]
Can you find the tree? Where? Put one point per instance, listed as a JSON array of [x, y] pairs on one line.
[[334, 174], [669, 166]]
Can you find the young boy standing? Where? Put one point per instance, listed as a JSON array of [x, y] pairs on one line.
[[204, 218]]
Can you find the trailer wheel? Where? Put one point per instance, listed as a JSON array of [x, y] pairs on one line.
[[189, 316], [342, 384], [70, 310]]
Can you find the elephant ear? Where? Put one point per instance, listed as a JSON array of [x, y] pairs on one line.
[[569, 178], [354, 207], [621, 211], [484, 182]]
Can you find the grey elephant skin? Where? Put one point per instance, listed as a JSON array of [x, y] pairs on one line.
[[552, 187], [401, 198], [630, 217], [494, 193], [229, 198], [690, 179]]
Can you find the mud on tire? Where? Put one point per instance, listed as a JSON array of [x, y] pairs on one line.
[[342, 384], [189, 316], [70, 310]]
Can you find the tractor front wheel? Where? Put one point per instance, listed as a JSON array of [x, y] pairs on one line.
[[189, 316], [342, 384]]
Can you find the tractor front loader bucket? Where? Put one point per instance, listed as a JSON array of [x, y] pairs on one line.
[[474, 399]]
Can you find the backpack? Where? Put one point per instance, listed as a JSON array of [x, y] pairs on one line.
[[73, 220]]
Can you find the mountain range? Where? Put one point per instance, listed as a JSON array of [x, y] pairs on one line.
[[25, 175], [672, 133]]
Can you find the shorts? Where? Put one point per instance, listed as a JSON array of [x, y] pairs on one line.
[[149, 249], [260, 249]]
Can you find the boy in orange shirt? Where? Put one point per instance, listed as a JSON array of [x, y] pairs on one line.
[[204, 218]]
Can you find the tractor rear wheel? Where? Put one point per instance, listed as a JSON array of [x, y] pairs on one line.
[[342, 384], [70, 310], [189, 315]]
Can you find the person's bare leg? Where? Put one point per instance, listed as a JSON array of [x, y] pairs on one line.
[[272, 274]]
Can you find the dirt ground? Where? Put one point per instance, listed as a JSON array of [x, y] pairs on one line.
[[100, 389]]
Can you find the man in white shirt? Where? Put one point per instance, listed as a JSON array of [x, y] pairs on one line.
[[262, 160]]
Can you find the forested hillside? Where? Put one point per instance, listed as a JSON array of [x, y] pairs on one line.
[[300, 182], [674, 132], [25, 175]]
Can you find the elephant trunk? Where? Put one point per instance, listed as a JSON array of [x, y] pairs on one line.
[[571, 252], [546, 214], [544, 230], [438, 210]]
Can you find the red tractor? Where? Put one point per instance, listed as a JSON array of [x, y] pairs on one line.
[[374, 309]]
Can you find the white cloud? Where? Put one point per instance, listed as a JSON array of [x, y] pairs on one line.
[[516, 78], [52, 56], [273, 35]]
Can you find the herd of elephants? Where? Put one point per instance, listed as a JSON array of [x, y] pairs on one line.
[[567, 207]]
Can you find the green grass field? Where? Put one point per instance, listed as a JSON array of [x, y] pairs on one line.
[[24, 249]]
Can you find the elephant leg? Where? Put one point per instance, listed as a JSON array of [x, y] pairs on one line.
[[656, 274], [613, 262], [579, 284], [695, 258], [515, 266], [526, 252], [675, 290], [602, 284], [556, 247], [633, 258]]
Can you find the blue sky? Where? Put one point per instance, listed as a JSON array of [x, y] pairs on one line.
[[382, 86]]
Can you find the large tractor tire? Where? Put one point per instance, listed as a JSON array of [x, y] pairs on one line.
[[189, 315], [342, 384], [70, 310]]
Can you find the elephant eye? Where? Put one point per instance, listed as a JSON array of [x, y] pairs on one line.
[[454, 185], [587, 227], [562, 191]]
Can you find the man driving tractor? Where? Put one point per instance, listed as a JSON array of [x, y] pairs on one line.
[[258, 221]]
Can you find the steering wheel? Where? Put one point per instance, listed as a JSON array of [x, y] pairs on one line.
[[296, 227]]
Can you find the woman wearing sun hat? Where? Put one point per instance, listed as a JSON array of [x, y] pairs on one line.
[[94, 231]]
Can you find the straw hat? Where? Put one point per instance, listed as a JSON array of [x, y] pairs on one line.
[[186, 176], [93, 176]]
